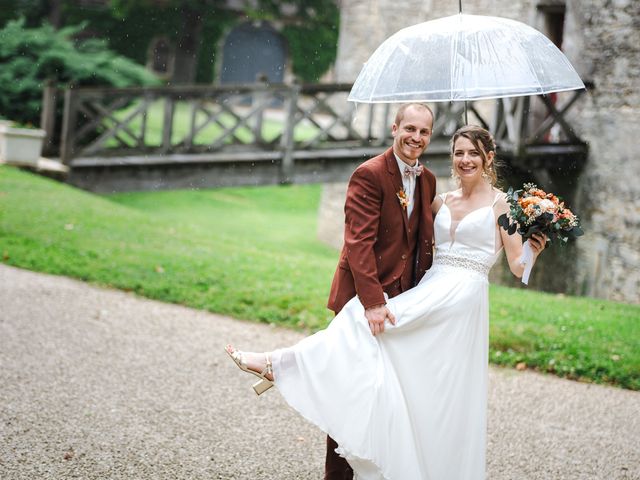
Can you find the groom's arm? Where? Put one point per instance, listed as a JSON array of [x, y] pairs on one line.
[[362, 219]]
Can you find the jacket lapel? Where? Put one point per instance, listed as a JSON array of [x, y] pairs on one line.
[[423, 199], [396, 180]]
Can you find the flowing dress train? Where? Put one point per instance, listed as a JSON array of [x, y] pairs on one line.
[[409, 404]]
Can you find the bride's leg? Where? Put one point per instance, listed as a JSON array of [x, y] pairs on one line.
[[258, 364]]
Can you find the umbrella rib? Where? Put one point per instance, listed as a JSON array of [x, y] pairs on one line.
[[533, 70], [382, 69], [454, 49], [375, 85], [507, 60]]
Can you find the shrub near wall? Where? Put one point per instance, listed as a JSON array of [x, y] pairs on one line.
[[131, 33], [31, 56]]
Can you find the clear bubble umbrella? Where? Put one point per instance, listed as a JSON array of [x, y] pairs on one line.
[[464, 57]]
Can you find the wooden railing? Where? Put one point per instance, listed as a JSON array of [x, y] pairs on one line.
[[284, 124]]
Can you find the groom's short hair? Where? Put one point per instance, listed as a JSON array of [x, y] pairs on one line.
[[404, 106]]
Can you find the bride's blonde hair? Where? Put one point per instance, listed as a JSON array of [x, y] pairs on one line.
[[485, 143]]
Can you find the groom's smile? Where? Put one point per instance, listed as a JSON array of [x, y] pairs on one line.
[[412, 135]]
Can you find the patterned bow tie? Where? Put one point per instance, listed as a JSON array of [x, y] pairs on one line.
[[416, 171]]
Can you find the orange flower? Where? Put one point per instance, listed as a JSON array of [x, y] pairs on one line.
[[402, 197], [528, 201], [538, 193]]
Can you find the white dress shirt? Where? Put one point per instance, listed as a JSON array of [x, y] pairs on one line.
[[409, 185]]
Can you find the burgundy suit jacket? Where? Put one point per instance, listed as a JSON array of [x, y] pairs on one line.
[[384, 250]]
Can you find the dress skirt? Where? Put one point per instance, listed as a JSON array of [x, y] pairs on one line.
[[409, 404]]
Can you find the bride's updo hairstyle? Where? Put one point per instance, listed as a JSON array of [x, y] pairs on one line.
[[484, 142]]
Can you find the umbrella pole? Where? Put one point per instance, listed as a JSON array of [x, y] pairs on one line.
[[466, 120]]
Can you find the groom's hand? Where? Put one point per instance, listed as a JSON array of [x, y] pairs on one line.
[[376, 316]]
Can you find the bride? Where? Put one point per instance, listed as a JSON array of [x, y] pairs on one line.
[[411, 403]]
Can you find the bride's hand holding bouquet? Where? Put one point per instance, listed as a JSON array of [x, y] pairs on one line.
[[534, 211]]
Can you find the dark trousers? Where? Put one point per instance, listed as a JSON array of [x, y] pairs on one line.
[[336, 467]]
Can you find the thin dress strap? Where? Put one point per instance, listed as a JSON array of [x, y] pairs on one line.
[[496, 199]]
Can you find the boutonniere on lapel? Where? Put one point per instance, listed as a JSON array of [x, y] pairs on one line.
[[402, 197]]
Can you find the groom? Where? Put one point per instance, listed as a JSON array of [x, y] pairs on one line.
[[388, 233]]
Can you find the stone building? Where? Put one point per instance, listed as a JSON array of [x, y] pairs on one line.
[[602, 40]]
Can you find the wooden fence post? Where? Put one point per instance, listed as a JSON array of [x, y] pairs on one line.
[[67, 140], [48, 116], [522, 117], [167, 123], [286, 167], [260, 100]]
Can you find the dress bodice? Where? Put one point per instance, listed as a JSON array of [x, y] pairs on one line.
[[471, 244]]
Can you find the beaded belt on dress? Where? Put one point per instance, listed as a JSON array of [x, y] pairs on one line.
[[459, 261]]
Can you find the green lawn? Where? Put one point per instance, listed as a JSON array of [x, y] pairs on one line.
[[252, 253]]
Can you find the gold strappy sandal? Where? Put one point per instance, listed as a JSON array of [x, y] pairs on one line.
[[264, 384]]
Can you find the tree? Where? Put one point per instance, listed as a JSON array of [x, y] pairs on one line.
[[32, 56], [188, 35], [311, 29]]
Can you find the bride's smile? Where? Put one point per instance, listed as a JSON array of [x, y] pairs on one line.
[[467, 159]]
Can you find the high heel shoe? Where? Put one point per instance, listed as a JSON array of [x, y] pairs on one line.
[[264, 384]]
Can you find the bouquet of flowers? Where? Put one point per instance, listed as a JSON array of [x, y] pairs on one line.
[[533, 210]]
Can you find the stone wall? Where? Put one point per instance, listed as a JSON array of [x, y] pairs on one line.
[[602, 40], [364, 25]]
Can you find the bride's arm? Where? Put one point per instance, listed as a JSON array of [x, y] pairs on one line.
[[513, 243], [436, 204]]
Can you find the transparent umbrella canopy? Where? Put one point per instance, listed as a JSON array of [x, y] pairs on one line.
[[464, 57]]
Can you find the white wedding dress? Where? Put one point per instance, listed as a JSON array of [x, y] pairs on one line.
[[409, 404]]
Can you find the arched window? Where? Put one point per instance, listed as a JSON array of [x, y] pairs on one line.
[[253, 51], [160, 57]]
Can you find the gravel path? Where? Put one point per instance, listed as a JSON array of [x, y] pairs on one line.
[[97, 383]]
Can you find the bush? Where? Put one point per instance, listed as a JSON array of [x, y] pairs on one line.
[[31, 56]]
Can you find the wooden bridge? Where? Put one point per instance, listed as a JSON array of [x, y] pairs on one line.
[[200, 136]]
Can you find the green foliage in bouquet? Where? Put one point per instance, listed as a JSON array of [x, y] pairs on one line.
[[532, 210], [31, 56]]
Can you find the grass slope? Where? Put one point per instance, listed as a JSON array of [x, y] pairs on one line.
[[251, 253]]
